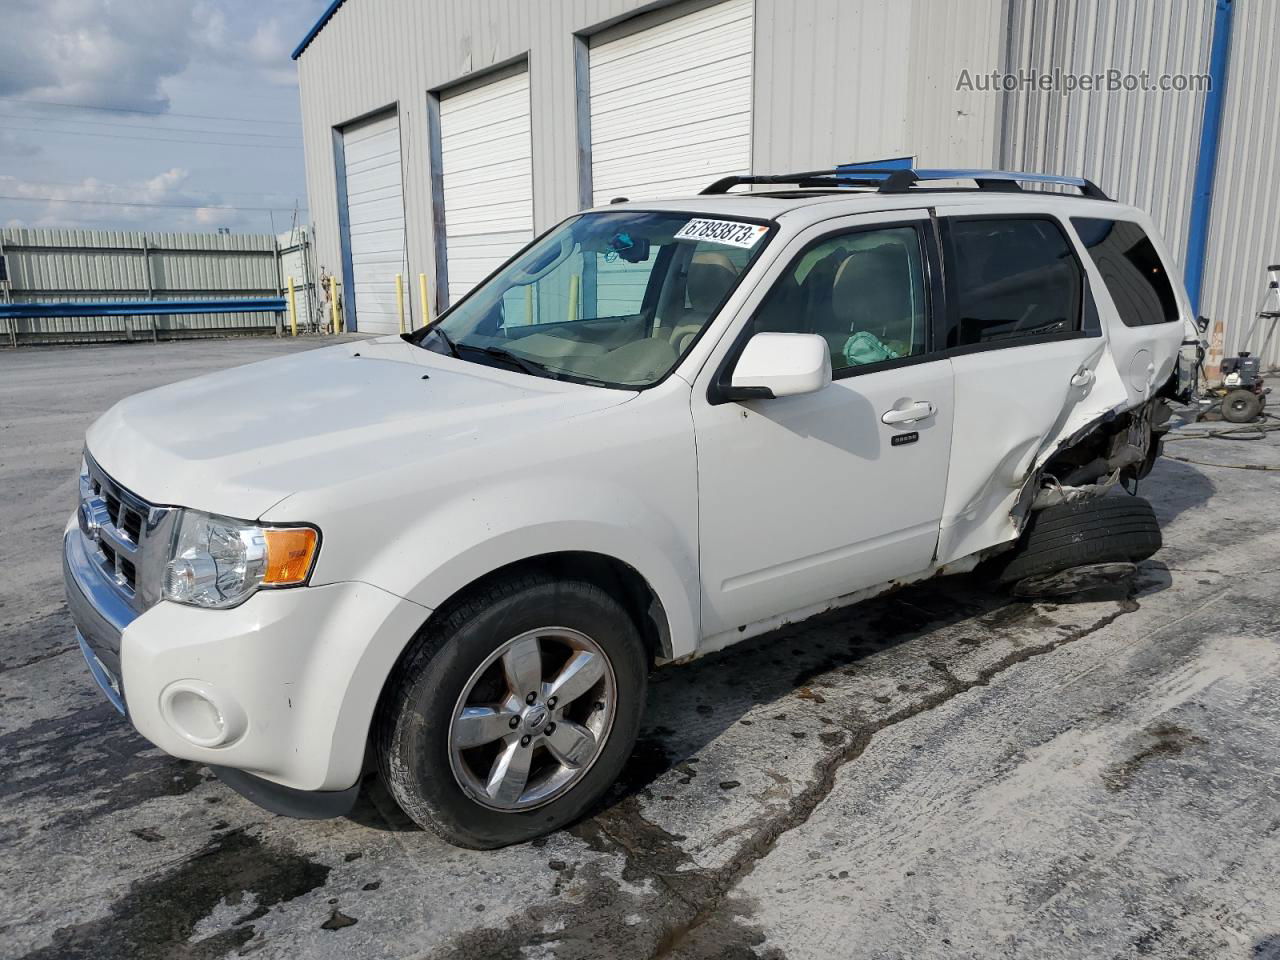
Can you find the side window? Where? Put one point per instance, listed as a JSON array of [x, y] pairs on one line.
[[1131, 269], [1012, 279], [863, 291]]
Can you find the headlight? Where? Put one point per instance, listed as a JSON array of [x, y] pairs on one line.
[[219, 562]]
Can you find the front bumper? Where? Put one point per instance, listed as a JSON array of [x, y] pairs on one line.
[[99, 612], [289, 679]]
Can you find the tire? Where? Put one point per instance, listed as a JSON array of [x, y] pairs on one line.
[[420, 732], [1241, 406], [1105, 530]]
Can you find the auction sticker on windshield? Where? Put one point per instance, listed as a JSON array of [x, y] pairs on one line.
[[729, 232]]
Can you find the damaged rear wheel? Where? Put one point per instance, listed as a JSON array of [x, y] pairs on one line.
[[1103, 530]]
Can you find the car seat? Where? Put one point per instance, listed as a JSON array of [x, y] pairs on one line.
[[871, 294], [711, 276]]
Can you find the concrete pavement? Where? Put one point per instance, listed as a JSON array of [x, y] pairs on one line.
[[939, 772]]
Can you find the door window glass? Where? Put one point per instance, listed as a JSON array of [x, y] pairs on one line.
[[862, 291], [1013, 279], [1131, 269]]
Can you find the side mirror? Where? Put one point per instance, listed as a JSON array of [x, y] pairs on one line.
[[780, 365]]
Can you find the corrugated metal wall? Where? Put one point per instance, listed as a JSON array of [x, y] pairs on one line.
[[55, 265], [1244, 231], [839, 80], [1140, 147], [833, 81]]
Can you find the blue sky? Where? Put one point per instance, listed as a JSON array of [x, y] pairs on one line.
[[141, 149]]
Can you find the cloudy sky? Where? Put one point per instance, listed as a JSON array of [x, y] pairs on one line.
[[151, 114]]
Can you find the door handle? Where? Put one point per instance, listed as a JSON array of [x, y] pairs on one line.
[[921, 410], [1083, 377]]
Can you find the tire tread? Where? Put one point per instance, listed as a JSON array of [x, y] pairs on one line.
[[1112, 529]]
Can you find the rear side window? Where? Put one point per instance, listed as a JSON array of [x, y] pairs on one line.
[[1131, 269], [1011, 280]]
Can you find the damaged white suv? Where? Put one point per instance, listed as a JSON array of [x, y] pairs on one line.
[[661, 428]]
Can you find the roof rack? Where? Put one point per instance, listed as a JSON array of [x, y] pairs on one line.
[[890, 180]]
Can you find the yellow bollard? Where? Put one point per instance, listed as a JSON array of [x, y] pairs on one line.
[[422, 295], [337, 292], [400, 300], [293, 310], [575, 282], [528, 304]]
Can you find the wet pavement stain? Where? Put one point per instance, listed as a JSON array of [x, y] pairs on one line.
[[337, 920], [1166, 740], [97, 756], [39, 639], [157, 917]]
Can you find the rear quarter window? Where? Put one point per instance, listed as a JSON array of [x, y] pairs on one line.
[[1131, 269]]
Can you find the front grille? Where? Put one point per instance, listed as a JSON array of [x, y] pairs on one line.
[[131, 536]]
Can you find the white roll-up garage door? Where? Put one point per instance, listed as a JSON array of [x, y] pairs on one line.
[[671, 105], [487, 176], [375, 222]]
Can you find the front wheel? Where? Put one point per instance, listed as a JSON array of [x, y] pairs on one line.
[[515, 712]]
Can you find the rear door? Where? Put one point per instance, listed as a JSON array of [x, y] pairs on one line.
[[1144, 318], [1027, 350], [807, 498]]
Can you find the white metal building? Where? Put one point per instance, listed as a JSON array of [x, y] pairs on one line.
[[440, 137]]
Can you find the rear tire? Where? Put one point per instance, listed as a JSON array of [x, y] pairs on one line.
[[1105, 530], [529, 627]]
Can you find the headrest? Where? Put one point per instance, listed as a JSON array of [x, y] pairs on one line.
[[868, 283], [711, 276]]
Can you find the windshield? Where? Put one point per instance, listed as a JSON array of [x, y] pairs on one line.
[[607, 298]]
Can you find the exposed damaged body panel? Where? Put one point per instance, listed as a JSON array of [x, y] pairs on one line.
[[1023, 417]]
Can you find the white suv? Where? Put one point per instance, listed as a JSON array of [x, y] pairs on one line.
[[661, 428]]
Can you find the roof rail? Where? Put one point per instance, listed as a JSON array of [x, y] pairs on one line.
[[901, 180]]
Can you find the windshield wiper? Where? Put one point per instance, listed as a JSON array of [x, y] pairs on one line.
[[527, 366], [417, 340]]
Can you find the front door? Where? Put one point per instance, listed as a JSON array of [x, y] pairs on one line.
[[807, 498]]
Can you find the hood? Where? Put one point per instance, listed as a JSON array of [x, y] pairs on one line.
[[238, 441]]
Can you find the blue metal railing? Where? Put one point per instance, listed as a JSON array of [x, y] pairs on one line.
[[38, 314], [138, 308]]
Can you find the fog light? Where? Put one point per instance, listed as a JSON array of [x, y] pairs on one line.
[[202, 715]]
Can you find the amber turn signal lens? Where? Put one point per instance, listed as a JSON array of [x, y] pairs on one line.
[[289, 555]]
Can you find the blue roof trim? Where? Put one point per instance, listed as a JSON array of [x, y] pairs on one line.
[[892, 163], [314, 31]]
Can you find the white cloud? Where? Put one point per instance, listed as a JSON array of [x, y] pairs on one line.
[[15, 146], [94, 51], [129, 205], [119, 54], [206, 58]]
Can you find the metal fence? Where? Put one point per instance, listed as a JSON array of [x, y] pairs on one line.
[[66, 265]]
